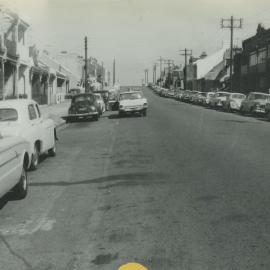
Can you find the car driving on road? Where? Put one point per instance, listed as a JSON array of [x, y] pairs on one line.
[[132, 102]]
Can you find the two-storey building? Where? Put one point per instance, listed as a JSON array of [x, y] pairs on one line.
[[252, 66]]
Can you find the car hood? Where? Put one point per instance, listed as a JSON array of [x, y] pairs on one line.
[[133, 102]]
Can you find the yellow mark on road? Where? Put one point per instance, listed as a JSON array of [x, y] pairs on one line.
[[132, 266]]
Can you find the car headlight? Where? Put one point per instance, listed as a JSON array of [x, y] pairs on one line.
[[93, 108], [144, 104]]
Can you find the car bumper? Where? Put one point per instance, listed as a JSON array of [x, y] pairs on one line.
[[135, 109], [83, 115], [259, 110]]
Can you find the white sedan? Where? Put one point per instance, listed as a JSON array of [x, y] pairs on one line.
[[23, 118], [132, 102], [14, 162]]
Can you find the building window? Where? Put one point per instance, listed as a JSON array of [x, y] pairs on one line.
[[253, 59], [261, 55]]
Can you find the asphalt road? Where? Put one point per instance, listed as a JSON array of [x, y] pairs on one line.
[[183, 188]]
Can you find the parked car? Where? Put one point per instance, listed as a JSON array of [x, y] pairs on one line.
[[170, 93], [186, 95], [74, 91], [23, 118], [15, 160], [201, 98], [132, 102], [178, 94], [254, 103], [218, 99], [208, 97], [233, 102], [113, 101], [267, 110], [192, 96], [83, 106], [100, 103]]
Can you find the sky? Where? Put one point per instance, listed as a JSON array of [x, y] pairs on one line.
[[137, 32]]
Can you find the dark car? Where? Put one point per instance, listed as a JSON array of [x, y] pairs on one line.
[[83, 106]]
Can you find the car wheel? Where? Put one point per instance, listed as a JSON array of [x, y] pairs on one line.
[[268, 116], [242, 110], [35, 158], [52, 151], [144, 113], [21, 189], [96, 117]]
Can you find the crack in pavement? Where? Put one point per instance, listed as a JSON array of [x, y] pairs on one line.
[[15, 254]]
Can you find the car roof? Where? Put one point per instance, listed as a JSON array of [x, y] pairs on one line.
[[16, 103], [130, 92], [260, 93]]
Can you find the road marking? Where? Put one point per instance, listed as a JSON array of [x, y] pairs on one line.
[[29, 227]]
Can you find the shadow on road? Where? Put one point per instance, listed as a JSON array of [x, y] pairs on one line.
[[10, 196], [117, 116], [140, 178]]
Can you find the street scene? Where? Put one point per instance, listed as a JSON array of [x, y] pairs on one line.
[[151, 159]]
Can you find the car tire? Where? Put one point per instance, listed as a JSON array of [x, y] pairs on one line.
[[96, 117], [52, 151], [21, 189], [35, 158], [242, 110], [144, 113], [268, 116]]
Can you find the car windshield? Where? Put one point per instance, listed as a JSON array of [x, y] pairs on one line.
[[261, 96], [86, 98], [222, 94], [7, 114], [98, 96], [130, 96], [238, 96]]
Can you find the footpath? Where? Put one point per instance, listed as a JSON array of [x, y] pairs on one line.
[[55, 112]]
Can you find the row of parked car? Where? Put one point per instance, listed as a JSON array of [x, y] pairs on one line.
[[255, 103]]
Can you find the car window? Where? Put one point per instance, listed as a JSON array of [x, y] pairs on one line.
[[130, 96], [32, 112], [38, 111], [7, 114]]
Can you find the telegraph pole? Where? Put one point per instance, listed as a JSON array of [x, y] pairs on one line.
[[113, 72], [231, 24], [86, 67], [160, 67], [185, 53]]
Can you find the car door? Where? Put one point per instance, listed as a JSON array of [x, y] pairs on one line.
[[33, 132], [46, 128]]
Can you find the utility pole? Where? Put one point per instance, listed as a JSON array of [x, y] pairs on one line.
[[169, 62], [146, 76], [185, 53], [231, 24], [155, 73], [160, 67], [86, 67], [102, 75], [113, 72]]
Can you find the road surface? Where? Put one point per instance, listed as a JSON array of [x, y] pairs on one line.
[[183, 188]]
